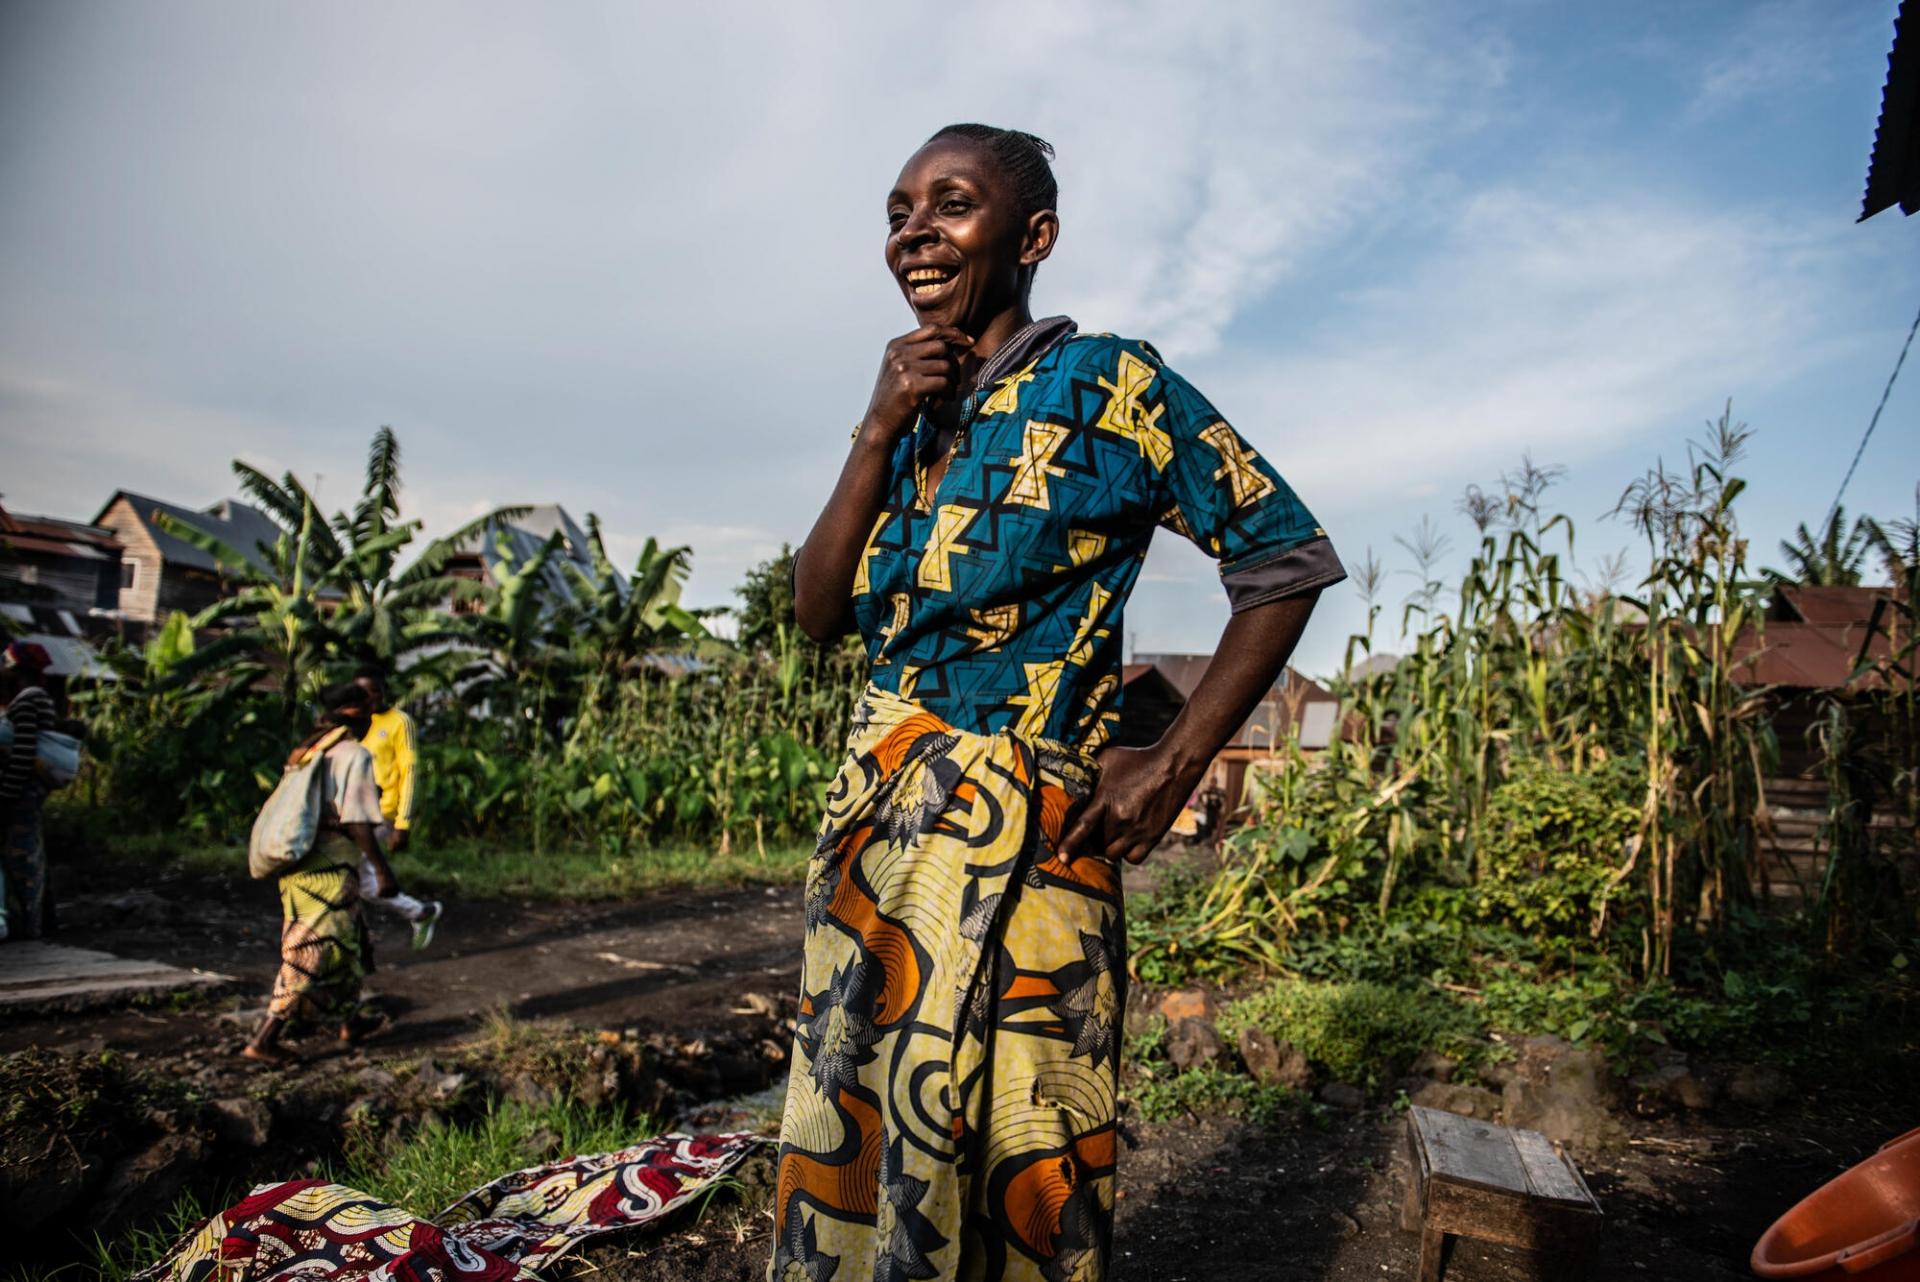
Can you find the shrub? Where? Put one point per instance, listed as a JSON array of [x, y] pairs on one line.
[[1551, 842], [1364, 1033], [1163, 1095]]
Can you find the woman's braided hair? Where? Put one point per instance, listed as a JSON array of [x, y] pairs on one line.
[[1022, 155]]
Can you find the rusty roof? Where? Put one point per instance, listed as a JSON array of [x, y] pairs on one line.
[[1809, 656], [1834, 607]]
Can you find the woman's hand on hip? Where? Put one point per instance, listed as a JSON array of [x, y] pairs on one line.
[[1140, 794], [919, 367]]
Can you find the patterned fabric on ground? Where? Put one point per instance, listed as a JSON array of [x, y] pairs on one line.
[[950, 1111], [324, 948], [309, 1229], [23, 872], [537, 1215]]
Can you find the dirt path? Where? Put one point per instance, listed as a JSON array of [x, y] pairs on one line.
[[1314, 1199], [679, 962]]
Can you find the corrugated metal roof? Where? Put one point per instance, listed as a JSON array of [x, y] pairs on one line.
[[71, 657], [238, 525], [17, 524], [53, 547], [525, 536], [1808, 656], [1836, 607], [1185, 671], [1893, 172]]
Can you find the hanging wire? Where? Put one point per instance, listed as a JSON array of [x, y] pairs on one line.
[[1872, 423]]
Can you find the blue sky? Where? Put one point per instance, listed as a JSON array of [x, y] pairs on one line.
[[627, 258]]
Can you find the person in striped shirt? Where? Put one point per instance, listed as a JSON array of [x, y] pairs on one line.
[[390, 738], [23, 852]]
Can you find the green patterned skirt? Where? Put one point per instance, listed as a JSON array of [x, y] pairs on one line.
[[324, 948]]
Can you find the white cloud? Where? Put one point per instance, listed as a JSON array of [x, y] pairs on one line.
[[1559, 323], [1773, 50], [625, 258]]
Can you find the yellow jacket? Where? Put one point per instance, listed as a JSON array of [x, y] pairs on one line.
[[390, 739]]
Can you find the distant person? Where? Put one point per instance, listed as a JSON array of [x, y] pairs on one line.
[[390, 738], [951, 1106], [324, 947], [23, 858]]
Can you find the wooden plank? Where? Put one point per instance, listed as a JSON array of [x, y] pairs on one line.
[[1465, 1151], [1549, 1175], [1433, 1254]]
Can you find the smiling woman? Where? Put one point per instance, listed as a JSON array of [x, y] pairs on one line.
[[951, 1107]]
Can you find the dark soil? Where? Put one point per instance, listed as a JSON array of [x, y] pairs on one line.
[[711, 974]]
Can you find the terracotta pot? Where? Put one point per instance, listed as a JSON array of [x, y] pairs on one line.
[[1864, 1223]]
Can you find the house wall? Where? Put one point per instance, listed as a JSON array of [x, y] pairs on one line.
[[139, 603], [188, 591], [1145, 713], [70, 582]]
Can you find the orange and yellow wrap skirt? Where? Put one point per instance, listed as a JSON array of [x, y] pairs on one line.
[[950, 1112]]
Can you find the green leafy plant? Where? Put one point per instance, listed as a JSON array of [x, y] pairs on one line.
[[1361, 1032]]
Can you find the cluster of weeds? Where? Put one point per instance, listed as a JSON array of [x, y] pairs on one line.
[[1364, 1033], [1160, 1092], [443, 1160], [1162, 1096]]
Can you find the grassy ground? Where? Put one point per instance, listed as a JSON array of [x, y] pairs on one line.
[[442, 1161], [478, 870]]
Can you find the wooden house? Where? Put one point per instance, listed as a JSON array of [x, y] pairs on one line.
[[1297, 707], [53, 564], [1816, 645], [160, 573]]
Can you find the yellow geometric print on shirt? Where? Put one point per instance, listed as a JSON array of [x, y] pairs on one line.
[[1043, 683], [994, 626], [1043, 679], [1093, 733], [861, 584], [948, 523], [1034, 464], [1126, 417], [1006, 394], [1085, 634], [901, 604], [1084, 545], [1060, 485], [1249, 483]]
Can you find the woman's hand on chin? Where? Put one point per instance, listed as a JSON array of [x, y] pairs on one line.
[[918, 368], [1140, 794]]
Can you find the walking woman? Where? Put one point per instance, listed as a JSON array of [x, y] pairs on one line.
[[324, 947], [951, 1107], [23, 851]]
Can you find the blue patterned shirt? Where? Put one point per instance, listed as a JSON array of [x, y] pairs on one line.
[[996, 601]]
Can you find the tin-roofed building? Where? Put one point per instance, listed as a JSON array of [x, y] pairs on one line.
[[1893, 172], [515, 542], [1297, 707], [161, 573], [53, 564]]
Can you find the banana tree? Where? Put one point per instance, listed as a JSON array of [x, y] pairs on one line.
[[615, 621]]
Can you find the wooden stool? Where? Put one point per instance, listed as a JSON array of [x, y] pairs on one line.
[[1495, 1184]]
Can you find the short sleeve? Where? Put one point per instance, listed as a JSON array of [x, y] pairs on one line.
[[1222, 495], [353, 792]]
